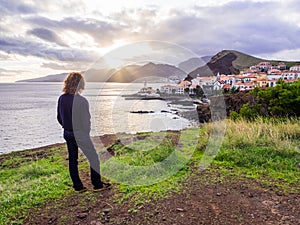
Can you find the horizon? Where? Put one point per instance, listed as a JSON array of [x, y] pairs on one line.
[[40, 39]]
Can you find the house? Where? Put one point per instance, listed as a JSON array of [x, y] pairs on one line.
[[295, 68], [254, 69], [274, 74], [243, 79], [273, 71], [272, 83], [265, 66], [261, 75], [290, 74], [227, 79], [192, 89], [242, 86], [182, 86], [206, 80], [168, 89], [196, 81], [261, 82], [250, 77], [177, 89], [290, 81], [247, 72], [281, 66], [226, 87]]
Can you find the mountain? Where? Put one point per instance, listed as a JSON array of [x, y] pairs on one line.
[[50, 78], [91, 75], [193, 63], [126, 74], [100, 75], [134, 72], [231, 62]]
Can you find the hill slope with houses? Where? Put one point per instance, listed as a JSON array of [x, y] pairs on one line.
[[232, 62], [235, 71]]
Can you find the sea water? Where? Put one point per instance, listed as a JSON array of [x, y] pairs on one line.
[[28, 113]]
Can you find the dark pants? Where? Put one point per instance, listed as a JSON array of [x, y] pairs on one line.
[[84, 142]]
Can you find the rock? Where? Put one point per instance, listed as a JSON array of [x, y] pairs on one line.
[[142, 111], [106, 211], [222, 105], [179, 209], [52, 220], [94, 222], [219, 194], [82, 215], [204, 114], [299, 165]]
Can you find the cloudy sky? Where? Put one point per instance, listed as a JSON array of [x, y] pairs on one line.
[[41, 37]]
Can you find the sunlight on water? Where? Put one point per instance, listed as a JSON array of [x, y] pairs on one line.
[[28, 113]]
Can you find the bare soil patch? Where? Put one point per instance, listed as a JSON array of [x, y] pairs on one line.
[[200, 201]]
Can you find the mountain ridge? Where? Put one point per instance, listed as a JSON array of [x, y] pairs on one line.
[[224, 62]]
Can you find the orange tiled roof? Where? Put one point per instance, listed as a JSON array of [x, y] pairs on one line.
[[251, 76], [226, 86], [261, 79], [168, 86]]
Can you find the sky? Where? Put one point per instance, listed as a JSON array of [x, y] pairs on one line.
[[41, 37]]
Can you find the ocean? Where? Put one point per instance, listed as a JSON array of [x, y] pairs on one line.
[[28, 113]]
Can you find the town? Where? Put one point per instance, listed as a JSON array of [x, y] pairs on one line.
[[261, 75]]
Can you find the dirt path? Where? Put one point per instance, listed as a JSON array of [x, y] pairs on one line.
[[239, 201]]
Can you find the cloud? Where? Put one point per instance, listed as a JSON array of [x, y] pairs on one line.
[[55, 66], [104, 33], [29, 48], [6, 74], [14, 6], [251, 27], [65, 66], [4, 57], [248, 26], [47, 35]]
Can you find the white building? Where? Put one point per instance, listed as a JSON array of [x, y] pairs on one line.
[[295, 68], [264, 65], [290, 75], [177, 89]]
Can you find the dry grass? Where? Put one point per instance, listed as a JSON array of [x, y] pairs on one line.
[[282, 134]]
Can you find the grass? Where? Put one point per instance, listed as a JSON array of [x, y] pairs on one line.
[[153, 167], [30, 183], [262, 150], [146, 162]]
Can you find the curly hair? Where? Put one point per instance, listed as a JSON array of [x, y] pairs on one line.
[[74, 83]]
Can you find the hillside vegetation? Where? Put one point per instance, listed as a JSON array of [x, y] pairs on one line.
[[280, 101], [243, 60]]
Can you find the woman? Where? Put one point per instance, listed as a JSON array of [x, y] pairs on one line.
[[74, 116]]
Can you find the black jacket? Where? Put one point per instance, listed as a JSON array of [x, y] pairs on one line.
[[73, 113]]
